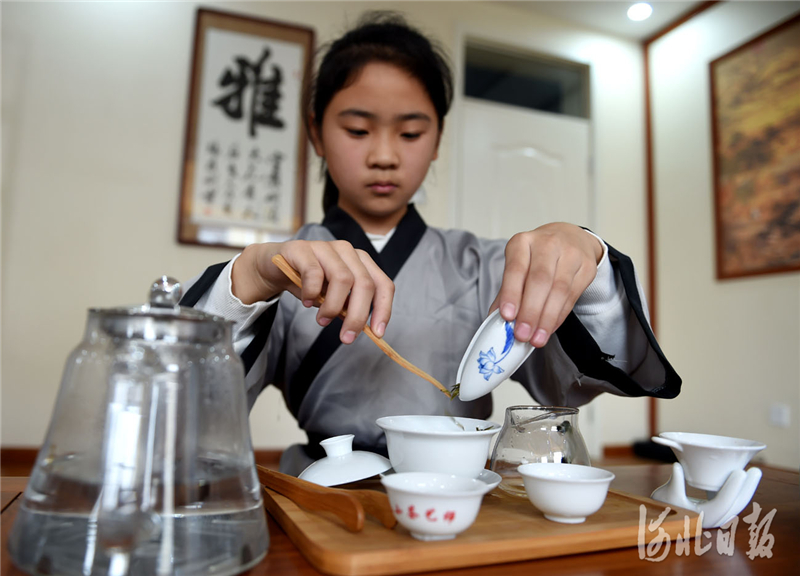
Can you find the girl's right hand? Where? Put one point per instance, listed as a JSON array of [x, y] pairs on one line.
[[348, 278]]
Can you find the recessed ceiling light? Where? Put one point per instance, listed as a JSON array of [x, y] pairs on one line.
[[640, 11]]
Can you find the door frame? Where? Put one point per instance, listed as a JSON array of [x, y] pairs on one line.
[[463, 33]]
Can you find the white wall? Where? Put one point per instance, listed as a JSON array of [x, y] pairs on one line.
[[735, 342], [617, 114], [93, 108]]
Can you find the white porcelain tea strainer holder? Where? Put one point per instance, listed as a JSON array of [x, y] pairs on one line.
[[715, 464]]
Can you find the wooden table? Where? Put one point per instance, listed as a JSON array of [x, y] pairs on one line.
[[779, 490]]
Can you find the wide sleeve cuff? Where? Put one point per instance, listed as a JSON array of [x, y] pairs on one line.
[[604, 290], [221, 299]]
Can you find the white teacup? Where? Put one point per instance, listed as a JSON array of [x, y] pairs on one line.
[[708, 460], [434, 506], [566, 493]]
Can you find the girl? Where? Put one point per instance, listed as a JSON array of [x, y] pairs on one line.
[[375, 116]]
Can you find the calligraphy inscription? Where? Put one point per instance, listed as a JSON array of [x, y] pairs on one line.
[[430, 514], [250, 182], [262, 105], [657, 549]]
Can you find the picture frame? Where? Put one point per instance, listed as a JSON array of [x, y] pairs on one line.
[[244, 163], [755, 108]]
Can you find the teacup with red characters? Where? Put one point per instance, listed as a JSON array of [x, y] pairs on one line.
[[432, 505]]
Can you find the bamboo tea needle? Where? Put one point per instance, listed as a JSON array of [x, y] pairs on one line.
[[292, 274]]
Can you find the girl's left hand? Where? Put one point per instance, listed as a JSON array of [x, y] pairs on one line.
[[546, 271]]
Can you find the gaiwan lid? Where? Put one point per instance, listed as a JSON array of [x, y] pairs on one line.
[[342, 464]]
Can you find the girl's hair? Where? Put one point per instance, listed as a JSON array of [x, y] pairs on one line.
[[382, 37]]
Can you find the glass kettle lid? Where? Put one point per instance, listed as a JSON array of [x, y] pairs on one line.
[[161, 318]]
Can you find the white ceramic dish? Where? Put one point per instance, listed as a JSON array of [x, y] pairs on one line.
[[566, 493], [492, 356], [707, 459], [342, 465], [446, 444], [434, 506], [491, 479]]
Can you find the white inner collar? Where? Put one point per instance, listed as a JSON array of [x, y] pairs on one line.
[[380, 240]]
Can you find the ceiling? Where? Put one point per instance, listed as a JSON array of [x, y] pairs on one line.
[[610, 17]]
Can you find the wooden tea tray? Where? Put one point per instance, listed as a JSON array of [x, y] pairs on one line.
[[507, 529]]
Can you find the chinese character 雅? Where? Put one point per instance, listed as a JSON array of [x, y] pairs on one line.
[[265, 92]]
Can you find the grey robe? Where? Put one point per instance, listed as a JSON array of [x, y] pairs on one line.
[[445, 281]]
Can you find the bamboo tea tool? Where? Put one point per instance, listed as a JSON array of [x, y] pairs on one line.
[[348, 505], [292, 274]]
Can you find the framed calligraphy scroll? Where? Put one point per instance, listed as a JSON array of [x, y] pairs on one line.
[[755, 103], [245, 152]]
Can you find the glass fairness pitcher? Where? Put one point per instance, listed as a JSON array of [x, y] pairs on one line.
[[147, 467], [536, 434]]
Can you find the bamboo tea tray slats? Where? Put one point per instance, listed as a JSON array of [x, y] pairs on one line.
[[507, 529]]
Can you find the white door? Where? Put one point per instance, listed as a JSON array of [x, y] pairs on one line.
[[519, 169]]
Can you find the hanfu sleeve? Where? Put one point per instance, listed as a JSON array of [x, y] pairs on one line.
[[606, 343], [212, 292]]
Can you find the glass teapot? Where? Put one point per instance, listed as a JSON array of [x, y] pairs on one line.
[[536, 434], [147, 467]]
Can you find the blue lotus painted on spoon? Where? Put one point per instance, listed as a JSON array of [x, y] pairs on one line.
[[488, 361]]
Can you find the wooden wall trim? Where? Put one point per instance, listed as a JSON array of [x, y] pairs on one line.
[[618, 451], [652, 277], [268, 458], [700, 8], [17, 460]]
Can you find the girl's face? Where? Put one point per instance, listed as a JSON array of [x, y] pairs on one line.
[[379, 136]]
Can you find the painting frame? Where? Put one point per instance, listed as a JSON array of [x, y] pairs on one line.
[[219, 219], [754, 114]]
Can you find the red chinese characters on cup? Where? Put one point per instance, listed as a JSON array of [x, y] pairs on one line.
[[430, 514]]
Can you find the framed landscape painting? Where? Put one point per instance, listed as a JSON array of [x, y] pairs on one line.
[[755, 103]]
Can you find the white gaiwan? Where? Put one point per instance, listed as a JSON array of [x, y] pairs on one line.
[[715, 464], [492, 356], [445, 444], [434, 506], [342, 465]]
